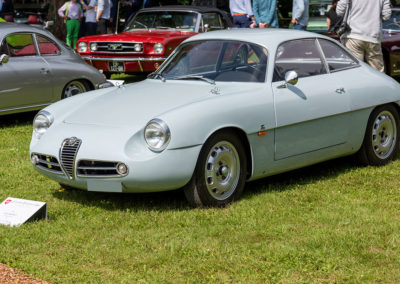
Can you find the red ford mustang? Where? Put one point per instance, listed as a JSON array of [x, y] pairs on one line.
[[149, 38]]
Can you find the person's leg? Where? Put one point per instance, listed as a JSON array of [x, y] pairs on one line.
[[374, 56], [101, 26], [75, 32], [69, 27], [82, 28], [355, 46], [91, 28], [299, 27]]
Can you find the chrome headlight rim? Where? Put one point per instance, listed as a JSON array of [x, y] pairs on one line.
[[166, 135], [46, 123], [82, 46], [158, 48]]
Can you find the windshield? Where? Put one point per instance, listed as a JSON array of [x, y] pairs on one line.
[[217, 60], [163, 20], [393, 23]]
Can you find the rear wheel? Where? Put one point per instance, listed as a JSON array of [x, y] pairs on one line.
[[75, 87], [381, 141], [220, 173]]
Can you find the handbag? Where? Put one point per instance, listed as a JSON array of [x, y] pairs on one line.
[[342, 26]]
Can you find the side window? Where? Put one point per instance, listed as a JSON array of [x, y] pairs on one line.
[[20, 45], [47, 46], [336, 57], [213, 21], [301, 56]]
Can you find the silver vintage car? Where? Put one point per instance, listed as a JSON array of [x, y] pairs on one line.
[[225, 108], [36, 69]]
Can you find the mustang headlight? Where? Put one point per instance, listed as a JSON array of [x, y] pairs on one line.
[[157, 135], [93, 46], [42, 121], [158, 48], [82, 46]]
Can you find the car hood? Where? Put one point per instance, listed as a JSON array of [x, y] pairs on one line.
[[147, 36], [136, 104]]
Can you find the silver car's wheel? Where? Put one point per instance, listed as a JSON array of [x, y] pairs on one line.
[[384, 134], [220, 173], [222, 170], [381, 141], [73, 88]]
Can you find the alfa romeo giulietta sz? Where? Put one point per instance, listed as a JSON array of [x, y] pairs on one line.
[[225, 108]]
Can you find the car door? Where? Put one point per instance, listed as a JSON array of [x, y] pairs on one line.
[[25, 80], [313, 114]]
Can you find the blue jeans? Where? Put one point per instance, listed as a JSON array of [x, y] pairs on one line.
[[299, 27], [241, 21]]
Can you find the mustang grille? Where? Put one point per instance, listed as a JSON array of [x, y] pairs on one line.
[[119, 47], [91, 168], [68, 151], [48, 163]]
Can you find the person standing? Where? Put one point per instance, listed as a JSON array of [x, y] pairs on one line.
[[103, 15], [242, 13], [6, 8], [365, 35], [265, 13], [90, 19], [72, 13], [332, 19], [300, 14]]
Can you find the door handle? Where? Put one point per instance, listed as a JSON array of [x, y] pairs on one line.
[[340, 91], [44, 71]]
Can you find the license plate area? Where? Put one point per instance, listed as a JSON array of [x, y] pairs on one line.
[[116, 66]]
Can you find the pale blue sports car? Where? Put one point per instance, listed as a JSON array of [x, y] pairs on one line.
[[225, 108]]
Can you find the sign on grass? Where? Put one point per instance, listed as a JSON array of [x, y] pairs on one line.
[[15, 211]]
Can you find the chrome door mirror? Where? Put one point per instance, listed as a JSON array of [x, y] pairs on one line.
[[291, 78], [206, 27], [4, 58]]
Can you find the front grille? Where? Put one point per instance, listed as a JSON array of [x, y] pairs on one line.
[[48, 163], [91, 168], [68, 151], [119, 47]]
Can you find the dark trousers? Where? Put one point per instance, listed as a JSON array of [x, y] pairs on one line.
[[102, 26], [241, 21], [91, 28]]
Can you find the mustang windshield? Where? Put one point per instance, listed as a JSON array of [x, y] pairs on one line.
[[217, 60], [393, 23], [184, 21]]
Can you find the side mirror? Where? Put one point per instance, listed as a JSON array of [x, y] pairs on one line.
[[291, 78], [48, 24], [206, 27], [4, 58]]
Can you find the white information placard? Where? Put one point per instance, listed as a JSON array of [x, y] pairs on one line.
[[15, 211]]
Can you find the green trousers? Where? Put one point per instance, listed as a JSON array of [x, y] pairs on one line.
[[72, 32]]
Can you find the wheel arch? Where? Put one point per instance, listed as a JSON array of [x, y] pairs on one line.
[[243, 137]]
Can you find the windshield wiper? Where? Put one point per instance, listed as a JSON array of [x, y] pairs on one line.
[[143, 25], [196, 77]]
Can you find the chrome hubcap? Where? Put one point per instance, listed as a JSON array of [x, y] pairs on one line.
[[73, 89], [384, 134], [222, 170]]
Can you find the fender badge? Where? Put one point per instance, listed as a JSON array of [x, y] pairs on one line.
[[215, 91]]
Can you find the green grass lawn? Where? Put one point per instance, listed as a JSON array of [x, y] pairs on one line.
[[332, 222]]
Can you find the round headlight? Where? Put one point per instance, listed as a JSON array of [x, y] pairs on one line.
[[93, 46], [157, 135], [158, 48], [42, 121], [82, 46], [137, 47]]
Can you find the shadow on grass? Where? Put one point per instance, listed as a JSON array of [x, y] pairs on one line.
[[175, 200], [17, 119]]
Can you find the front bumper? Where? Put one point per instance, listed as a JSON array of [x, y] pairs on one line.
[[131, 64], [147, 171]]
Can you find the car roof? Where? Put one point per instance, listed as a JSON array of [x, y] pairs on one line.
[[15, 28], [199, 9], [269, 38]]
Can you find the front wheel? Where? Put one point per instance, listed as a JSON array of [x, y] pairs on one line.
[[74, 87], [381, 141], [220, 173]]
